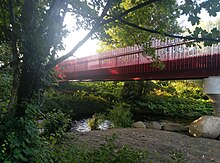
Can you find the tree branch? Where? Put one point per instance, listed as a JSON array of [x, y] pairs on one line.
[[80, 43], [141, 5], [99, 23], [167, 34]]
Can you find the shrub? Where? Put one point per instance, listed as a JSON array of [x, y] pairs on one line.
[[20, 141], [121, 115], [175, 106], [75, 106], [55, 124]]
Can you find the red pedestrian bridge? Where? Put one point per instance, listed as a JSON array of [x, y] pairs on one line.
[[131, 63]]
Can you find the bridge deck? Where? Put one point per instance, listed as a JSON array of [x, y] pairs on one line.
[[180, 62]]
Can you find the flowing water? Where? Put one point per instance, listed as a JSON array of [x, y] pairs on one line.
[[82, 125]]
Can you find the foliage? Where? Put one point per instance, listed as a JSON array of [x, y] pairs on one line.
[[157, 16], [192, 9], [132, 90], [173, 98], [169, 98], [120, 115], [110, 91], [20, 141], [55, 125], [33, 31], [178, 157], [5, 87], [74, 106], [175, 106], [108, 152]]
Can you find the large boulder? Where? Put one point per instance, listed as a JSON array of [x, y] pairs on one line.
[[206, 126], [139, 124], [175, 127], [154, 125]]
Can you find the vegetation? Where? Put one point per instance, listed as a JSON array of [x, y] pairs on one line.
[[76, 106], [30, 38], [55, 125], [172, 99], [120, 115], [168, 98], [107, 152]]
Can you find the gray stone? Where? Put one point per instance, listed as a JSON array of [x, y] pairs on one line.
[[139, 124], [154, 125], [206, 126], [176, 127]]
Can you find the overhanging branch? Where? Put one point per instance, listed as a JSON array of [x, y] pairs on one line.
[[167, 34], [119, 16], [80, 43], [99, 23]]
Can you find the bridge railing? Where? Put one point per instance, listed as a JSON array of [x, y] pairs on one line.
[[168, 49]]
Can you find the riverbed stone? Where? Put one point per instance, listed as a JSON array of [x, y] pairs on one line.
[[154, 125], [175, 127], [139, 124], [206, 126]]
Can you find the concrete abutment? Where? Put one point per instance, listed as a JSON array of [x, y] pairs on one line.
[[211, 87]]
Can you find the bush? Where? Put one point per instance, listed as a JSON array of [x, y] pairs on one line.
[[109, 91], [175, 106], [55, 124], [75, 106], [20, 141], [121, 115]]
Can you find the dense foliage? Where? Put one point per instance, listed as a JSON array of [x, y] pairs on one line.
[[168, 98], [120, 115], [173, 99], [76, 106]]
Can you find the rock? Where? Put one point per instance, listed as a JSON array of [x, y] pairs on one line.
[[139, 124], [154, 125], [176, 127], [206, 126]]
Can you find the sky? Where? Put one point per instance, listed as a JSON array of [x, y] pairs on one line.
[[90, 47]]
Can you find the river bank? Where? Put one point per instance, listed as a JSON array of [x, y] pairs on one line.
[[161, 145]]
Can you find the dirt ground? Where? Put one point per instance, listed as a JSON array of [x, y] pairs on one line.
[[162, 145]]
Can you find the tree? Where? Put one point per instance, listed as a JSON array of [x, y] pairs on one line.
[[157, 16], [33, 30]]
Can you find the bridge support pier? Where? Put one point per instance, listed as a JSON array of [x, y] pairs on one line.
[[211, 87]]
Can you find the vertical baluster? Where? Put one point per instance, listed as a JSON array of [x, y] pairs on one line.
[[169, 53], [172, 53]]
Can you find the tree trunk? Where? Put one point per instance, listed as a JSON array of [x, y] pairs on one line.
[[15, 61], [31, 82]]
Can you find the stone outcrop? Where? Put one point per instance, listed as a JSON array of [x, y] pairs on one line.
[[175, 127], [206, 126], [139, 124], [154, 125]]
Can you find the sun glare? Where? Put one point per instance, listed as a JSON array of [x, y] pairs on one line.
[[88, 48]]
